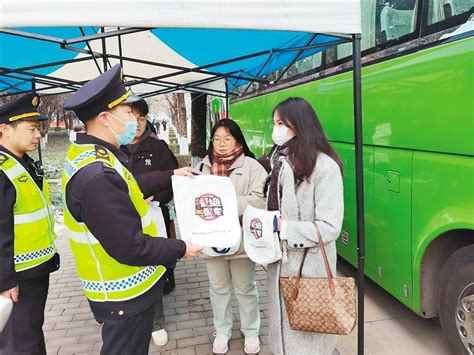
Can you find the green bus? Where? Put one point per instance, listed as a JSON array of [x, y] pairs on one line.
[[418, 135]]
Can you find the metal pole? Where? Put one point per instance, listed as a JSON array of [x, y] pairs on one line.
[[120, 49], [226, 99], [357, 91], [104, 51], [40, 155]]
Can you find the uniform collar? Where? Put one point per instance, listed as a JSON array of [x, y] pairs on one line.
[[25, 160], [83, 138]]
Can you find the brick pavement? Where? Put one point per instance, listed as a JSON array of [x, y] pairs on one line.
[[70, 327]]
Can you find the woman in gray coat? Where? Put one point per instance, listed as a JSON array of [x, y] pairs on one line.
[[306, 187]]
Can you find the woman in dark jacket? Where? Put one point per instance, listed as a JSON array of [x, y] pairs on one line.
[[148, 153]]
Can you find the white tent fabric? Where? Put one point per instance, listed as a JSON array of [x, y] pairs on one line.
[[144, 45], [317, 16]]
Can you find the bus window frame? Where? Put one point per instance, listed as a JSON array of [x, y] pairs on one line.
[[413, 39], [445, 24], [414, 35]]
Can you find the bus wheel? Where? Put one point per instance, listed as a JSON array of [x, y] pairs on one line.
[[456, 300]]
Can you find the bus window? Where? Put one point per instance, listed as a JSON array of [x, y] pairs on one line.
[[368, 14], [440, 10], [396, 19], [383, 21], [299, 67]]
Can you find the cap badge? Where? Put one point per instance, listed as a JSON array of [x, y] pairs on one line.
[[35, 101]]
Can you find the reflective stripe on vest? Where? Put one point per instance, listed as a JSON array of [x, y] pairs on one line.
[[103, 277], [32, 214], [22, 258], [120, 285]]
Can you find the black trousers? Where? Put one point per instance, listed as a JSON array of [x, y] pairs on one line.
[[23, 333], [127, 336]]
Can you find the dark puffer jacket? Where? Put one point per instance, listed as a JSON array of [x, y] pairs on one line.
[[151, 154]]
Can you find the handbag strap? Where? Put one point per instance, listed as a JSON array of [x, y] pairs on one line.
[[326, 262], [294, 294]]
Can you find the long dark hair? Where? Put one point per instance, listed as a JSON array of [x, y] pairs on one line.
[[234, 130], [310, 138]]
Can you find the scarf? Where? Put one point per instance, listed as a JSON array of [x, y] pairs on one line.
[[273, 185], [222, 162], [280, 191]]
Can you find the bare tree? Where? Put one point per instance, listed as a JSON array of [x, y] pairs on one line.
[[52, 107], [7, 99], [177, 111], [182, 122], [198, 125]]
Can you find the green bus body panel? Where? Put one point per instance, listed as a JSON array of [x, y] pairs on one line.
[[443, 200], [418, 132], [408, 102]]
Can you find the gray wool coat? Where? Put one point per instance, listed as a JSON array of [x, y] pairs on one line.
[[320, 201]]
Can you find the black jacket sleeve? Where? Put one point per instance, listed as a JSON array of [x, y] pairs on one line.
[[167, 161], [154, 182], [106, 208], [8, 276]]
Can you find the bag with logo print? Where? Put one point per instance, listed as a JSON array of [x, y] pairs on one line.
[[261, 243], [207, 212]]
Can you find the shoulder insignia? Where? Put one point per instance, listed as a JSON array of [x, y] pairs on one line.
[[101, 153], [3, 158]]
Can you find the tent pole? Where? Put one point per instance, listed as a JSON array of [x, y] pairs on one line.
[[40, 155], [226, 99], [104, 51], [120, 49], [357, 91]]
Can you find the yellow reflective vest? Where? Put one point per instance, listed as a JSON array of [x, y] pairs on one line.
[[103, 277], [33, 217]]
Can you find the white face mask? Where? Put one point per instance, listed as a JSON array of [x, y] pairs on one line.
[[280, 135]]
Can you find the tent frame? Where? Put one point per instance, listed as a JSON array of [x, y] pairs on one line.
[[51, 82]]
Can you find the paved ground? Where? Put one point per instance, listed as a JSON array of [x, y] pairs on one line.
[[71, 329]]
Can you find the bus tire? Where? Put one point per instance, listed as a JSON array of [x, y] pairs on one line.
[[456, 300]]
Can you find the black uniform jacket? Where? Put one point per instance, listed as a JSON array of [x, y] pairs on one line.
[[8, 276], [98, 196], [151, 154]]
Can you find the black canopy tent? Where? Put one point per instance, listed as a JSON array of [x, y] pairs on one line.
[[96, 49]]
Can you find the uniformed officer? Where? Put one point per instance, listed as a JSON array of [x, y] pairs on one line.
[[27, 251], [112, 237]]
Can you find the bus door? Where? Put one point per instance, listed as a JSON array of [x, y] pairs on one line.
[[392, 221]]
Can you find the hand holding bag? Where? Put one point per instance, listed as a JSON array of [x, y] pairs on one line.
[[157, 217], [6, 307], [320, 304]]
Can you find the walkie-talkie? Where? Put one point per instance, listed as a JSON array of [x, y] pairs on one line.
[[39, 168]]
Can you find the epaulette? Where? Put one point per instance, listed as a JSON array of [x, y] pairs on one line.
[[3, 158], [102, 155]]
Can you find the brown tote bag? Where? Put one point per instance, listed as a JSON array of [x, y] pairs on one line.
[[320, 304]]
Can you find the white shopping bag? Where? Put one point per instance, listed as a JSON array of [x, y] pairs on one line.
[[157, 216], [6, 306], [207, 211], [213, 251], [261, 244]]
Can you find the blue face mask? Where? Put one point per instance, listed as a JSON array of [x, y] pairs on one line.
[[129, 133]]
